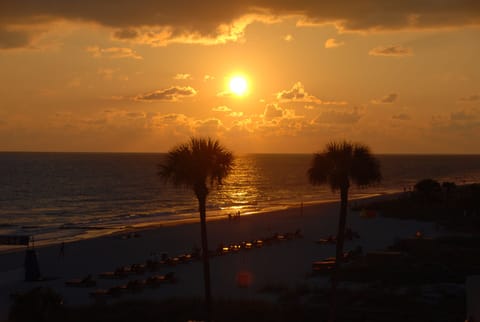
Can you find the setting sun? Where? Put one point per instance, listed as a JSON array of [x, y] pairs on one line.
[[238, 85]]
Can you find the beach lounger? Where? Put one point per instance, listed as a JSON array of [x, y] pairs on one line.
[[138, 268], [258, 243], [235, 247], [87, 281], [121, 272], [185, 258], [330, 240], [157, 280], [323, 266]]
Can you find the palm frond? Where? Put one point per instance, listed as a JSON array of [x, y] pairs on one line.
[[342, 162], [197, 162]]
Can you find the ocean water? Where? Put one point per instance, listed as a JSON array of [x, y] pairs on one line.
[[69, 196]]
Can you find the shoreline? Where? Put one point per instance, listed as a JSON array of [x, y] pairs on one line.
[[99, 232]]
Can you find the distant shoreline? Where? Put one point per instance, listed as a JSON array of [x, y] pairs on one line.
[[99, 232]]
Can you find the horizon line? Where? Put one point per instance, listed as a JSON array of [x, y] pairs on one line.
[[243, 153]]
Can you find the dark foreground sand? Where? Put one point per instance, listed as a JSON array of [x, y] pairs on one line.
[[285, 262]]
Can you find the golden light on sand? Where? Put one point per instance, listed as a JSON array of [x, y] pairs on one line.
[[238, 85]]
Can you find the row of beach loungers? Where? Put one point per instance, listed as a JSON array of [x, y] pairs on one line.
[[328, 264], [153, 265], [349, 235], [135, 285]]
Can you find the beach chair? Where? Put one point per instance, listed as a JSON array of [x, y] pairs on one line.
[[157, 280], [120, 272], [258, 243], [330, 240], [138, 268], [323, 266], [87, 281]]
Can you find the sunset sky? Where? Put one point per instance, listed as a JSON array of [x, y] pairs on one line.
[[140, 76]]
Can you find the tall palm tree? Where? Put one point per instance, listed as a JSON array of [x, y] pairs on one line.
[[199, 164], [338, 165]]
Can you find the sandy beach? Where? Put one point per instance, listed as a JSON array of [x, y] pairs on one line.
[[282, 262]]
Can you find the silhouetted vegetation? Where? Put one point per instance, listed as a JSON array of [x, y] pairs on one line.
[[428, 188], [40, 304], [337, 166], [198, 164], [449, 205], [373, 303]]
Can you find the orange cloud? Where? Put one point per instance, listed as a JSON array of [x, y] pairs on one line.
[[387, 99], [402, 117], [173, 94], [221, 108], [333, 43], [298, 94], [344, 116], [392, 50], [113, 52], [159, 23], [182, 77]]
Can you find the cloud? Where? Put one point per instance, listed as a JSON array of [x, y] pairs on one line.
[[173, 94], [225, 94], [402, 117], [182, 76], [458, 126], [471, 98], [387, 99], [10, 39], [465, 115], [135, 115], [346, 116], [106, 73], [333, 43], [113, 52], [208, 78], [298, 94], [209, 127], [236, 114], [392, 50], [222, 108], [276, 114], [159, 23], [273, 111]]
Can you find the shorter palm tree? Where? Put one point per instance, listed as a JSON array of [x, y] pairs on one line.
[[199, 164], [339, 164]]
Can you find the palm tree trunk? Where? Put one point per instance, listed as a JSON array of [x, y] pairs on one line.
[[205, 256], [339, 251]]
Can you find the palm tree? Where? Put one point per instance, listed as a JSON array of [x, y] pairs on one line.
[[199, 164], [338, 165]]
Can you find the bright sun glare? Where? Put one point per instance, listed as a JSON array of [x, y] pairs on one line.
[[238, 85]]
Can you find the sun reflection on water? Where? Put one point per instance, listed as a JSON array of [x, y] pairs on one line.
[[240, 189]]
